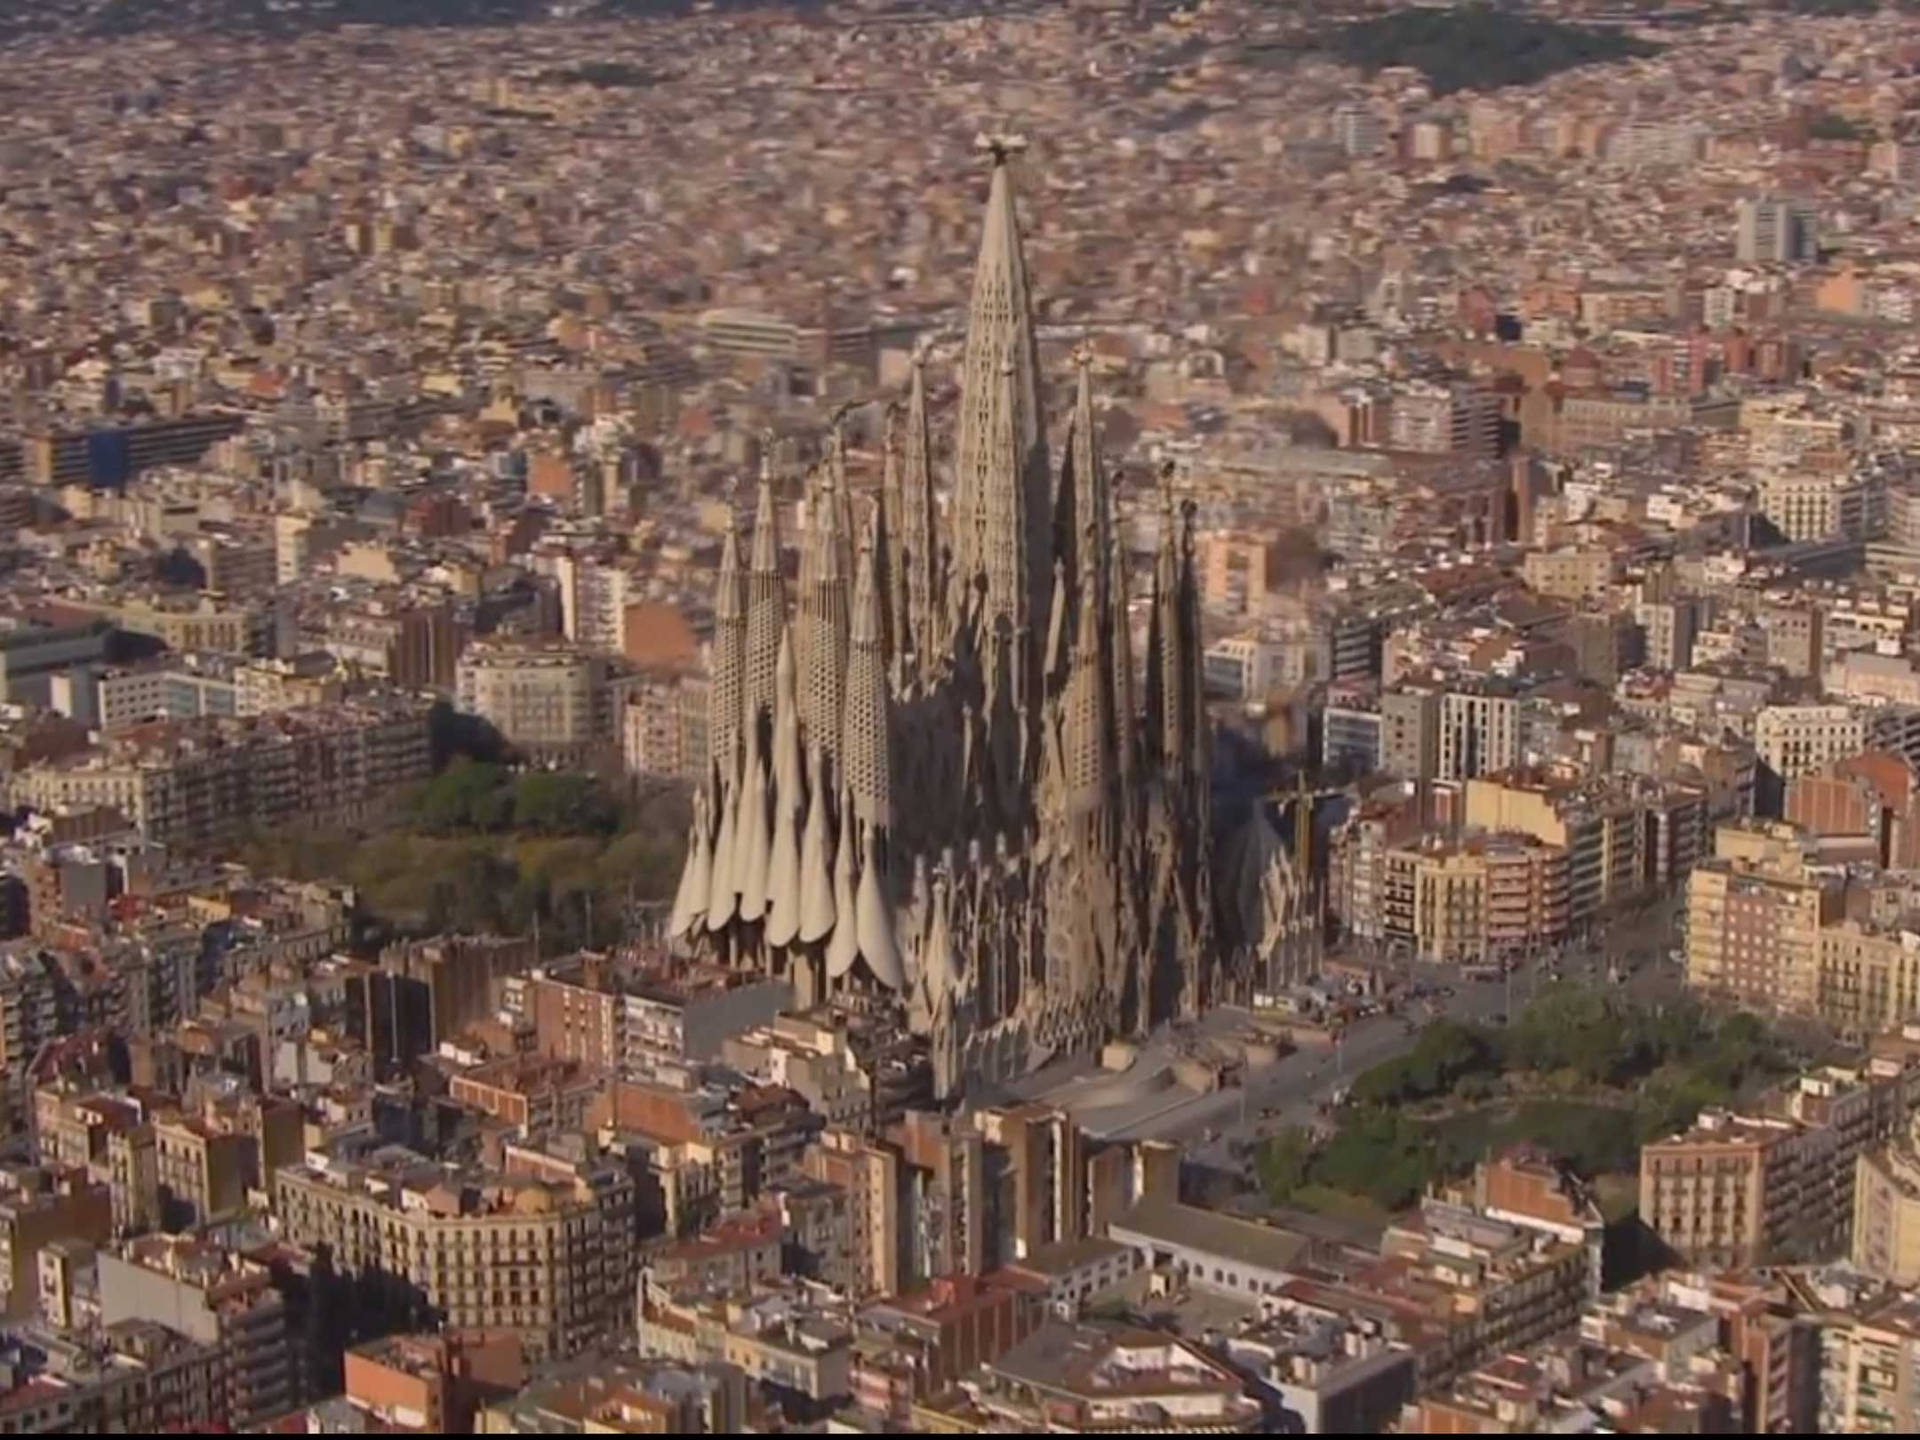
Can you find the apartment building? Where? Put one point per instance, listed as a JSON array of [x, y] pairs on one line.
[[1869, 978], [214, 1298], [1867, 803], [260, 687], [202, 1173], [1737, 1191], [1728, 1192], [1452, 419], [557, 704], [38, 1207], [127, 696], [1754, 932], [1794, 740], [1794, 638], [1623, 836], [1776, 230], [110, 456], [776, 1337], [428, 1383], [1352, 731], [1804, 505], [640, 1020], [1410, 734], [1243, 667], [649, 1397], [414, 646], [1573, 572], [1479, 735], [881, 1222], [1870, 1368], [664, 729], [1667, 628], [1085, 1379], [41, 643], [543, 1247], [1473, 901], [111, 1136], [139, 1378], [1886, 1211], [195, 784], [537, 1097]]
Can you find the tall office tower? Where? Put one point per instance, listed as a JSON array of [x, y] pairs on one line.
[[1777, 231]]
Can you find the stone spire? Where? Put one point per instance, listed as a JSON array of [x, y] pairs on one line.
[[865, 752], [1088, 723], [817, 912], [924, 634], [696, 879], [1000, 500], [1168, 711], [891, 556], [753, 830], [843, 946], [823, 632], [1198, 755], [1120, 660], [727, 684], [789, 805], [1084, 508], [723, 890], [766, 609]]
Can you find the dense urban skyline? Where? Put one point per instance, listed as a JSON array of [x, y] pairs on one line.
[[920, 717]]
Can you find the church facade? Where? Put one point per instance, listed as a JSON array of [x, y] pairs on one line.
[[940, 779]]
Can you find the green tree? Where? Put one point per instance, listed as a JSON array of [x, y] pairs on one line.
[[466, 796], [558, 802], [1283, 1163]]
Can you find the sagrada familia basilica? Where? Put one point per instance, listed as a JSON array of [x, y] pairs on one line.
[[940, 782]]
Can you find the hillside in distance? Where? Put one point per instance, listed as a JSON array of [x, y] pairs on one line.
[[284, 17]]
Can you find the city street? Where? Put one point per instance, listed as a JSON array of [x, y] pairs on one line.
[[1633, 953]]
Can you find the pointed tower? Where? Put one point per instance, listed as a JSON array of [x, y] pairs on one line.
[[1088, 723], [822, 631], [1197, 736], [789, 806], [1126, 720], [925, 633], [865, 747], [1001, 520], [1169, 706], [867, 751], [892, 558], [1084, 530], [766, 610], [727, 685]]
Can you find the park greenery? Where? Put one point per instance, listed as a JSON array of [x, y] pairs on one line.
[[1588, 1076], [1477, 46], [482, 848]]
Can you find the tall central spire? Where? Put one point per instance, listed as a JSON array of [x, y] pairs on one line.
[[1000, 509]]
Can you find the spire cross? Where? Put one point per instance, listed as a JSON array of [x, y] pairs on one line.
[[1001, 147]]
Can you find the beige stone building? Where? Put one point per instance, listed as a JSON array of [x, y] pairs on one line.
[[1575, 572], [1753, 932], [1886, 1212], [1869, 978], [1796, 740], [199, 783], [1778, 1186], [554, 703], [544, 1248]]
